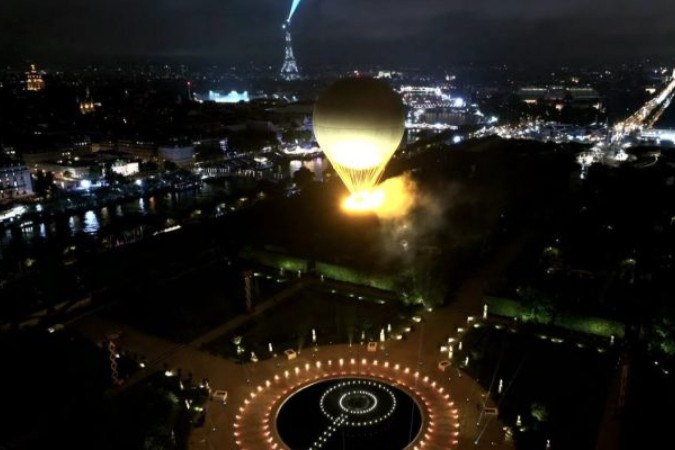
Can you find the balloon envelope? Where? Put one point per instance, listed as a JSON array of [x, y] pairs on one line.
[[359, 123]]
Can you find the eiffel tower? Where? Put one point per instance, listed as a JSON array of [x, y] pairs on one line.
[[289, 70]]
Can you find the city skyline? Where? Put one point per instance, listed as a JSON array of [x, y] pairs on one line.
[[330, 225], [422, 33]]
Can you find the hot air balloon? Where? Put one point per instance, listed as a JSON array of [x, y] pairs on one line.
[[359, 123]]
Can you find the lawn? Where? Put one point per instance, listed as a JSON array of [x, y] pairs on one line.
[[185, 307], [337, 316], [558, 389]]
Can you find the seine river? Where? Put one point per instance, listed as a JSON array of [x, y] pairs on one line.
[[212, 198]]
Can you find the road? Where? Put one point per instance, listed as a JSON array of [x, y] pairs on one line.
[[648, 114]]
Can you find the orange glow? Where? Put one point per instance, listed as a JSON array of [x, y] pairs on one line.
[[400, 193], [392, 199], [364, 201]]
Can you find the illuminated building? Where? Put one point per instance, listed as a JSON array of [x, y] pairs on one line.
[[388, 74], [56, 147], [289, 69], [87, 105], [66, 170], [418, 97], [561, 96], [146, 151], [70, 174], [34, 81], [232, 97], [125, 168], [181, 155], [532, 95], [436, 108], [660, 137], [14, 179]]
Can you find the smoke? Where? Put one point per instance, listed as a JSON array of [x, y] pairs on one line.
[[425, 232], [410, 216], [400, 195]]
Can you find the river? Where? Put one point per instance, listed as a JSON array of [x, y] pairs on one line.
[[211, 199]]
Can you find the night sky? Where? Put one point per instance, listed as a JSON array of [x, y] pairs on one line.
[[422, 32]]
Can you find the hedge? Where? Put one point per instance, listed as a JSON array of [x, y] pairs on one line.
[[349, 275], [331, 271], [275, 260], [584, 324]]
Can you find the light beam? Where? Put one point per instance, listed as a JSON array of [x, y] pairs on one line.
[[294, 6]]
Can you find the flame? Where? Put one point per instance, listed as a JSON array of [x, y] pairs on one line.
[[366, 201], [392, 199]]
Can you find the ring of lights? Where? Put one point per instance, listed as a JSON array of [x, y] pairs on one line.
[[349, 409], [335, 402], [255, 420]]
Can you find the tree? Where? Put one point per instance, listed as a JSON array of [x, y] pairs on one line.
[[251, 140], [540, 306], [661, 336], [95, 172], [539, 411], [293, 135], [43, 183], [111, 176], [148, 166]]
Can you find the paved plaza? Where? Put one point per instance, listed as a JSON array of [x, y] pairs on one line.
[[454, 399]]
